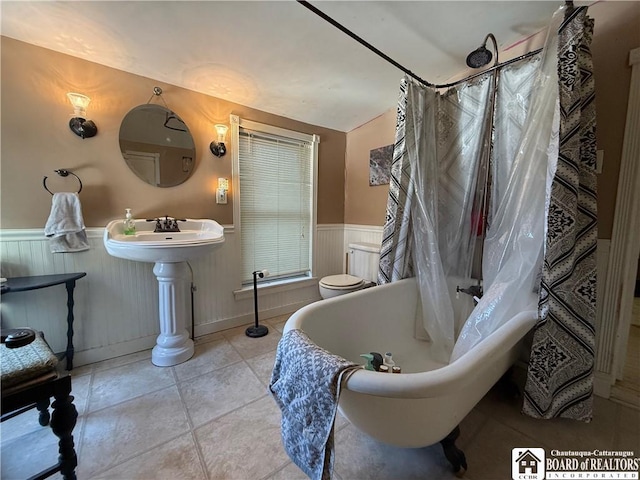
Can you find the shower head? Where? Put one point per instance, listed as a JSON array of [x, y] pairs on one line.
[[481, 56]]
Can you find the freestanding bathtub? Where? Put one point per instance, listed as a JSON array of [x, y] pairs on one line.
[[425, 403]]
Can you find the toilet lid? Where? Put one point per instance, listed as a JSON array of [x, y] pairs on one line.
[[341, 281]]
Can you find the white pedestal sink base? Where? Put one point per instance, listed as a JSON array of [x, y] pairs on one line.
[[173, 345], [170, 251]]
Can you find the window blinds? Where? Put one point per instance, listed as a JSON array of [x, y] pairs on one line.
[[276, 202]]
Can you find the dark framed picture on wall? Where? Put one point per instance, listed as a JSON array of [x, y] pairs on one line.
[[380, 165]]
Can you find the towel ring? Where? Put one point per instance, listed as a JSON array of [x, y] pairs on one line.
[[63, 173]]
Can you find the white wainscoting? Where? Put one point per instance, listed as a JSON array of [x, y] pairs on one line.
[[333, 245], [360, 234], [603, 379], [116, 304], [329, 250]]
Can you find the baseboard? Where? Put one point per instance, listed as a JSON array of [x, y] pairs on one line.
[[109, 352], [227, 323], [602, 384], [625, 397], [112, 351]]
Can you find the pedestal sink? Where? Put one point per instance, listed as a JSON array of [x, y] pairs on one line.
[[169, 251]]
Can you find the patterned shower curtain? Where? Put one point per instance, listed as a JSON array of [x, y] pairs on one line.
[[395, 252], [447, 132], [428, 231], [560, 375]]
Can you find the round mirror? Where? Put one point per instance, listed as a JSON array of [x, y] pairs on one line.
[[157, 145]]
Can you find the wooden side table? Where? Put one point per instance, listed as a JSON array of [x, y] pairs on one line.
[[35, 282]]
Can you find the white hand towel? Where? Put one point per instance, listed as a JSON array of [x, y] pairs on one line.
[[65, 226]]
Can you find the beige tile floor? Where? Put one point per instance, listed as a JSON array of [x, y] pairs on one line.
[[212, 418], [627, 390]]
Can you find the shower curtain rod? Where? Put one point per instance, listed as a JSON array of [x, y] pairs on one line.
[[424, 82]]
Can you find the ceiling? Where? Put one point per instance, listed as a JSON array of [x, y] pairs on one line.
[[277, 56]]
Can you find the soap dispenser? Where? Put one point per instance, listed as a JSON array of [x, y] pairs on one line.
[[388, 361], [129, 224], [377, 360], [369, 358]]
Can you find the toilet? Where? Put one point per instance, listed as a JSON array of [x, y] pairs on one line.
[[363, 271]]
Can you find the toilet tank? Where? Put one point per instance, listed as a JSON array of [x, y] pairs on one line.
[[363, 260]]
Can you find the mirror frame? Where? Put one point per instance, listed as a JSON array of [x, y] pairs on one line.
[[157, 146]]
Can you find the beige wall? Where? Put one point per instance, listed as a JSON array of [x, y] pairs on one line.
[[36, 139], [364, 204], [617, 31]]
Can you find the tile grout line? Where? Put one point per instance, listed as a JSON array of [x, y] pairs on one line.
[[145, 451], [139, 454], [203, 462], [85, 415], [88, 412], [209, 422], [189, 379], [97, 369], [192, 434], [277, 470], [473, 435], [135, 397], [199, 446], [176, 381]]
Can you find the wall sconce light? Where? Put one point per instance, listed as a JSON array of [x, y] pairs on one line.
[[218, 148], [221, 194], [81, 127]]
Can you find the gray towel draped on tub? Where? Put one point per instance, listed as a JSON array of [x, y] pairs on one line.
[[65, 226], [305, 383]]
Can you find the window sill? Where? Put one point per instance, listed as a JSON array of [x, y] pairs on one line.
[[277, 286]]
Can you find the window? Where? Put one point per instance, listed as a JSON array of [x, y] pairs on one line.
[[275, 182]]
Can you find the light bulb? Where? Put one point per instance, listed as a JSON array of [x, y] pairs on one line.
[[222, 131], [80, 103]]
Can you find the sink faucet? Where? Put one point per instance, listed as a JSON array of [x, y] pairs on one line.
[[166, 224]]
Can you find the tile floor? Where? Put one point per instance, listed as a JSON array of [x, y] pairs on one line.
[[212, 418], [627, 390]]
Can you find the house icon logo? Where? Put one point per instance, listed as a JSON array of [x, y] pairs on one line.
[[527, 464]]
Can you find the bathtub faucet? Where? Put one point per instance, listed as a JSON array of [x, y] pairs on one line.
[[474, 290]]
